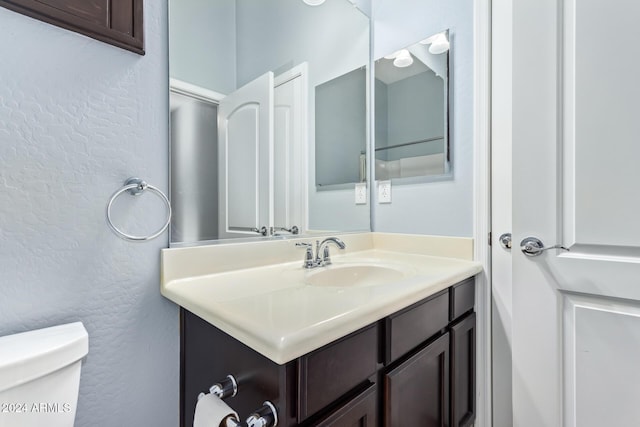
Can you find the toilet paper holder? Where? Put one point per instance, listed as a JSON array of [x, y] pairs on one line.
[[225, 388], [265, 416]]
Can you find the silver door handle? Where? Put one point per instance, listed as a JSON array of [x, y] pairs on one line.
[[262, 230], [293, 230], [532, 246], [505, 240]]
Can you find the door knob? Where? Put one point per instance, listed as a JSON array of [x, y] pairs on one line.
[[262, 230], [532, 246], [505, 240]]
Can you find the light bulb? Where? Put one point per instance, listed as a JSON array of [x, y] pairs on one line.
[[403, 59], [313, 2], [439, 45]]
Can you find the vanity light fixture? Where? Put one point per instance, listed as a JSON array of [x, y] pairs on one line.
[[403, 59], [313, 2]]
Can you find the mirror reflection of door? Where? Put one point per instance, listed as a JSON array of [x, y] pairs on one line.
[[245, 131], [219, 46], [290, 157], [220, 197]]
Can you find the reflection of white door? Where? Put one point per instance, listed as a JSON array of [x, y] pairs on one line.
[[576, 315], [245, 123], [290, 142]]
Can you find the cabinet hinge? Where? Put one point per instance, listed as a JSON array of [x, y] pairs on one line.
[[489, 236]]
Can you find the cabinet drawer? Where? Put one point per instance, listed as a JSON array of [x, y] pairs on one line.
[[326, 374], [407, 329], [361, 411], [463, 297]]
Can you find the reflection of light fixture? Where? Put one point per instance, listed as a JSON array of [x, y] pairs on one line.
[[313, 2], [403, 59], [439, 44], [394, 54], [429, 40]]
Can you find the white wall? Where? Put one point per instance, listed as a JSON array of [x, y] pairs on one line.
[[412, 118], [341, 125], [439, 208], [77, 117], [279, 34], [202, 45]]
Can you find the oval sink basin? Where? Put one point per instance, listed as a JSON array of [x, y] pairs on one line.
[[354, 275]]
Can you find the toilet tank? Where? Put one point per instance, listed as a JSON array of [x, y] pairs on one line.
[[40, 376]]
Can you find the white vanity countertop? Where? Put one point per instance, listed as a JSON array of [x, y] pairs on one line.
[[268, 304]]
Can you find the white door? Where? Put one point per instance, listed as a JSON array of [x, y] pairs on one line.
[[576, 182], [501, 181], [245, 129], [290, 145]]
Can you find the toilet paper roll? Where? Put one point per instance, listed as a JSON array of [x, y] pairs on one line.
[[211, 411]]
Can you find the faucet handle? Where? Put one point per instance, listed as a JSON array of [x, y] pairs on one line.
[[309, 262], [326, 256]]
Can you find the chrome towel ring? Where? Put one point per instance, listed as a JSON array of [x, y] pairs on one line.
[[135, 187]]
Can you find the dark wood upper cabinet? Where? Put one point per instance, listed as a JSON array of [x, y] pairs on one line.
[[117, 22]]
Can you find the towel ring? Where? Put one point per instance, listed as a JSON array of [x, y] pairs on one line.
[[135, 187]]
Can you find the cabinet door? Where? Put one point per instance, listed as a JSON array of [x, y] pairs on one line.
[[332, 371], [358, 412], [117, 22], [463, 372], [416, 393]]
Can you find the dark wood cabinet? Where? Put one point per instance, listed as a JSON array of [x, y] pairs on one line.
[[416, 393], [463, 371], [415, 367], [330, 372], [410, 327], [361, 411], [117, 22]]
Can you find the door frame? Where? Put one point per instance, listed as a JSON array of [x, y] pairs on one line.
[[301, 71], [482, 205]]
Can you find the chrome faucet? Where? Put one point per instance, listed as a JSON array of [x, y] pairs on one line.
[[323, 248], [322, 256]]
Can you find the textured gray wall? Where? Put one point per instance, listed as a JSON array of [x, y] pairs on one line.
[[77, 117], [438, 208]]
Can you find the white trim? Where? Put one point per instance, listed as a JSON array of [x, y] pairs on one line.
[[198, 92], [301, 71], [482, 205], [571, 304]]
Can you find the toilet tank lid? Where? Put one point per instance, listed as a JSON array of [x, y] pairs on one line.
[[29, 355]]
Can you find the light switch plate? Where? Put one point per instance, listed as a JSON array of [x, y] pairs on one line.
[[384, 191], [361, 193]]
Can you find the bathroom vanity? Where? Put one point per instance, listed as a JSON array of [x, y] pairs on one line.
[[415, 367], [390, 352]]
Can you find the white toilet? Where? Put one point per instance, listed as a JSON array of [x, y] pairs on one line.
[[40, 376]]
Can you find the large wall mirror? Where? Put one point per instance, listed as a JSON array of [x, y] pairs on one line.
[[412, 111], [268, 113]]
